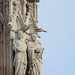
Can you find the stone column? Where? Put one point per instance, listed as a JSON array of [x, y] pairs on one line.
[[0, 49], [24, 8], [1, 11], [36, 13]]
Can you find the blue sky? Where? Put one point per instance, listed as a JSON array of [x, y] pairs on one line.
[[58, 18]]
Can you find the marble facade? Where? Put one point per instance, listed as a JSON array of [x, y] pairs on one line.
[[21, 51]]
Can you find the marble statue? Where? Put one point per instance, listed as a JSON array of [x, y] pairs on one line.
[[23, 50], [20, 60], [35, 56]]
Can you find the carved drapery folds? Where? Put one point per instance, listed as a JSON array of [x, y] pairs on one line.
[[20, 59], [22, 31], [35, 56]]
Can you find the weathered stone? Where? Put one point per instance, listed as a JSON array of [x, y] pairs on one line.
[[20, 51]]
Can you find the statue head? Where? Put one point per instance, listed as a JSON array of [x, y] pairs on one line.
[[34, 37], [20, 34]]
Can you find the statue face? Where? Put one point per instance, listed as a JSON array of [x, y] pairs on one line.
[[20, 34], [34, 37]]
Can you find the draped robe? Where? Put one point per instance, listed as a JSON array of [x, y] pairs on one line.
[[20, 60]]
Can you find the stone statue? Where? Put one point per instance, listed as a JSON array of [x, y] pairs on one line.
[[20, 60], [35, 56], [22, 17]]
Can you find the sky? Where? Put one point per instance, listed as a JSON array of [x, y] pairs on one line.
[[58, 18]]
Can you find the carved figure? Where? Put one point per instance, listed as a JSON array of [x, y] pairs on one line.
[[20, 60], [35, 56]]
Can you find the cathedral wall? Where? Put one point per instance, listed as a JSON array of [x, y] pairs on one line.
[[0, 60], [1, 40]]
